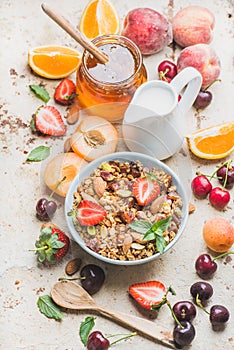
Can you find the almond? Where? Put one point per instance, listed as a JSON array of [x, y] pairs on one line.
[[157, 204], [73, 112], [99, 186], [191, 208], [73, 266]]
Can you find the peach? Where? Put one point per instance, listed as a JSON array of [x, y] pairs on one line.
[[218, 233], [150, 30], [204, 59], [193, 25], [94, 137], [63, 166]]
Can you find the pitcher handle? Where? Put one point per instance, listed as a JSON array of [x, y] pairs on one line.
[[190, 79]]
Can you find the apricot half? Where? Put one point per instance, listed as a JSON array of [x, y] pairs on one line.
[[61, 170], [218, 234], [94, 137]]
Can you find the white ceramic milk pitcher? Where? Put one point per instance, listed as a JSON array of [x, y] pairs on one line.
[[154, 120]]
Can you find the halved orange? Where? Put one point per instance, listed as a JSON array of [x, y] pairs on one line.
[[214, 142], [53, 62], [99, 18]]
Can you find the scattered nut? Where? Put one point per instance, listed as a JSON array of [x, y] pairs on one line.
[[157, 204], [99, 186], [73, 266], [124, 193], [73, 112], [191, 208]]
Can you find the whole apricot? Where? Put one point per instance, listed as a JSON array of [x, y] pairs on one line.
[[193, 25], [218, 233], [147, 28], [203, 58]]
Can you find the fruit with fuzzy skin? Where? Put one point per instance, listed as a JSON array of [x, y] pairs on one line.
[[218, 233], [52, 245], [48, 121], [201, 186], [203, 58], [149, 29], [148, 293], [65, 92], [193, 25], [90, 213], [64, 166], [219, 198], [145, 190], [94, 137]]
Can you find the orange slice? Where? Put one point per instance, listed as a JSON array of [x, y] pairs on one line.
[[53, 62], [99, 18], [214, 142]]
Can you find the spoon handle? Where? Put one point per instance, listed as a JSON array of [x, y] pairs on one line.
[[75, 33], [148, 328]]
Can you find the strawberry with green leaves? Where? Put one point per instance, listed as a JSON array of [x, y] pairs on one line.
[[65, 92], [52, 244], [48, 121]]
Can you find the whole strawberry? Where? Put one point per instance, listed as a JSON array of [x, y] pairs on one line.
[[52, 245]]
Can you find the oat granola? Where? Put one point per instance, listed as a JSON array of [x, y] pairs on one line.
[[117, 236]]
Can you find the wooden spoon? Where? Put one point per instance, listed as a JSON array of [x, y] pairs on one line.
[[75, 33], [72, 296]]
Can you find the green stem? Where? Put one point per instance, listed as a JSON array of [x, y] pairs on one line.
[[211, 84], [69, 279], [174, 315], [228, 162], [199, 303], [222, 255], [125, 337]]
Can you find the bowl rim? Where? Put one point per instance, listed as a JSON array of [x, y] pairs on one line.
[[127, 156]]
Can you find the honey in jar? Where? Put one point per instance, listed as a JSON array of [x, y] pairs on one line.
[[106, 89]]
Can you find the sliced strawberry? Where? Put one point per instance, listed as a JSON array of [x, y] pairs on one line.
[[90, 213], [65, 92], [53, 244], [145, 190], [148, 293], [48, 121]]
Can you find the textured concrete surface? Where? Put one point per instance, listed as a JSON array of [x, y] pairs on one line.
[[22, 280]]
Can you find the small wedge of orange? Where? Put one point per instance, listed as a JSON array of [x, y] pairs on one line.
[[53, 62], [215, 142], [99, 18]]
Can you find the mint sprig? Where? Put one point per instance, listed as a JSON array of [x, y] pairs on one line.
[[85, 328], [153, 231], [38, 154], [40, 92], [48, 307]]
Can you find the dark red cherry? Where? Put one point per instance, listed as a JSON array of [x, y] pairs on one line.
[[201, 186], [184, 310], [183, 336], [92, 278], [203, 99], [202, 290], [219, 198], [97, 341], [167, 70], [205, 266], [219, 315]]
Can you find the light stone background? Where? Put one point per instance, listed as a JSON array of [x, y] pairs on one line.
[[23, 26]]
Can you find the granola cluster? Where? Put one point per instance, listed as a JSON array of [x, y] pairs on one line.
[[110, 185]]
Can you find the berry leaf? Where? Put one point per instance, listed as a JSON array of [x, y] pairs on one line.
[[85, 328], [38, 154], [40, 92], [48, 307]]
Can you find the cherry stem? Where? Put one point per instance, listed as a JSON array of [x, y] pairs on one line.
[[211, 84], [199, 303], [174, 315], [162, 74], [227, 163], [69, 279], [122, 338], [52, 193], [222, 255]]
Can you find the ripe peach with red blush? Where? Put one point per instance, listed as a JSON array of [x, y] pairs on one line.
[[193, 25], [203, 58], [149, 29]]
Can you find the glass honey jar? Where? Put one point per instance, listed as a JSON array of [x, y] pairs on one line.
[[106, 89]]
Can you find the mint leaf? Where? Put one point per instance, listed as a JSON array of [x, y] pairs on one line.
[[160, 243], [85, 328], [39, 153], [40, 92], [140, 226], [160, 226], [48, 307], [156, 232]]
